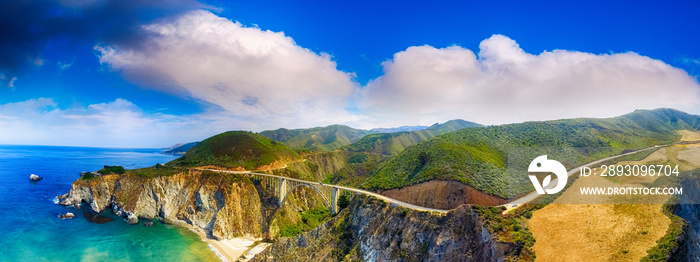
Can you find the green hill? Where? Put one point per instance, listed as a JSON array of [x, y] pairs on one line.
[[236, 149], [179, 149], [394, 143], [317, 139], [478, 156]]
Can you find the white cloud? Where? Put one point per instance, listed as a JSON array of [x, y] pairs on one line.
[[262, 78], [505, 84], [115, 124], [64, 65]]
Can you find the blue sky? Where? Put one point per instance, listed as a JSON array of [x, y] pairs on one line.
[[142, 74]]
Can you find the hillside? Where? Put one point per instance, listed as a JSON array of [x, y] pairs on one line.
[[394, 143], [179, 149], [317, 139], [398, 129], [478, 156], [236, 149]]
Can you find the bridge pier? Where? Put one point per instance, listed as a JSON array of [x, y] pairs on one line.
[[334, 200], [281, 190]]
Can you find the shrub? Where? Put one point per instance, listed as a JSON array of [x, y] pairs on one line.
[[112, 170]]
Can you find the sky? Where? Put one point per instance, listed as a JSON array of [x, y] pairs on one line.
[[144, 73]]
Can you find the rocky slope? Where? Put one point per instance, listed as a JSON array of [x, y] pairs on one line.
[[371, 230], [223, 206], [689, 210]]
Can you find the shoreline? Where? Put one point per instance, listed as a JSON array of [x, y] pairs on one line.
[[229, 250]]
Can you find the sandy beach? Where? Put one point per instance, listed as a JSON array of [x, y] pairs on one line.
[[229, 249]]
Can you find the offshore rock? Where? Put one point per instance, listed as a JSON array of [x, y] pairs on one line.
[[34, 177], [96, 218], [68, 215]]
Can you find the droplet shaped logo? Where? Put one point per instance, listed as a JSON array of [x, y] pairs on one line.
[[543, 165]]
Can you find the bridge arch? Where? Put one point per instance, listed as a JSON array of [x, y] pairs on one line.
[[327, 202]]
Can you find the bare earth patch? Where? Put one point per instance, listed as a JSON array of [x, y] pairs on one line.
[[608, 232], [689, 135], [578, 232]]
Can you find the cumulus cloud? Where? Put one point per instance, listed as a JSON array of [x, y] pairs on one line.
[[505, 84], [118, 123], [262, 78]]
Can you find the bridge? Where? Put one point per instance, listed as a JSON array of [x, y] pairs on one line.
[[283, 186]]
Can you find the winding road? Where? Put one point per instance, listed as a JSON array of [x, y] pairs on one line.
[[532, 196], [514, 204]]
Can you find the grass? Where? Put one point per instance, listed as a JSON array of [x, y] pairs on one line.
[[317, 139], [394, 143], [156, 171], [236, 149]]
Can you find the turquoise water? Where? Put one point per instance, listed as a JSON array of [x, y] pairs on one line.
[[30, 229]]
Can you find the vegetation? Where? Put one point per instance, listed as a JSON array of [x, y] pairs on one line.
[[317, 139], [310, 219], [511, 228], [179, 149], [394, 143], [478, 156], [336, 136], [226, 178], [87, 176], [669, 242], [156, 171], [358, 167], [236, 149], [112, 170]]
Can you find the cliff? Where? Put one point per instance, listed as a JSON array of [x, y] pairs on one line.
[[688, 208], [371, 230], [223, 206], [228, 205]]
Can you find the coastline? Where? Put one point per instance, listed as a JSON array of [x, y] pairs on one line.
[[228, 249]]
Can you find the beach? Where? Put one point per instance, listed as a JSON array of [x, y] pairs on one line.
[[230, 249]]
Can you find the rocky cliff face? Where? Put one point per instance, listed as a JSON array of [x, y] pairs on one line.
[[223, 206], [371, 230], [689, 210]]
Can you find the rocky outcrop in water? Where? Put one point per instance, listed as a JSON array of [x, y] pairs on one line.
[[371, 230]]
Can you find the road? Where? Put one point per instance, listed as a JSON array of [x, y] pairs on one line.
[[534, 195], [509, 206], [387, 199]]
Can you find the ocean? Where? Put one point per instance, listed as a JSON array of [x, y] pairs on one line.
[[30, 229]]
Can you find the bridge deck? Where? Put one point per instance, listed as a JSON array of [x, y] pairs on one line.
[[350, 189]]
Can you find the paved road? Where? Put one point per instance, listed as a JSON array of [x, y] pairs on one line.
[[509, 206], [534, 195], [388, 199]]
